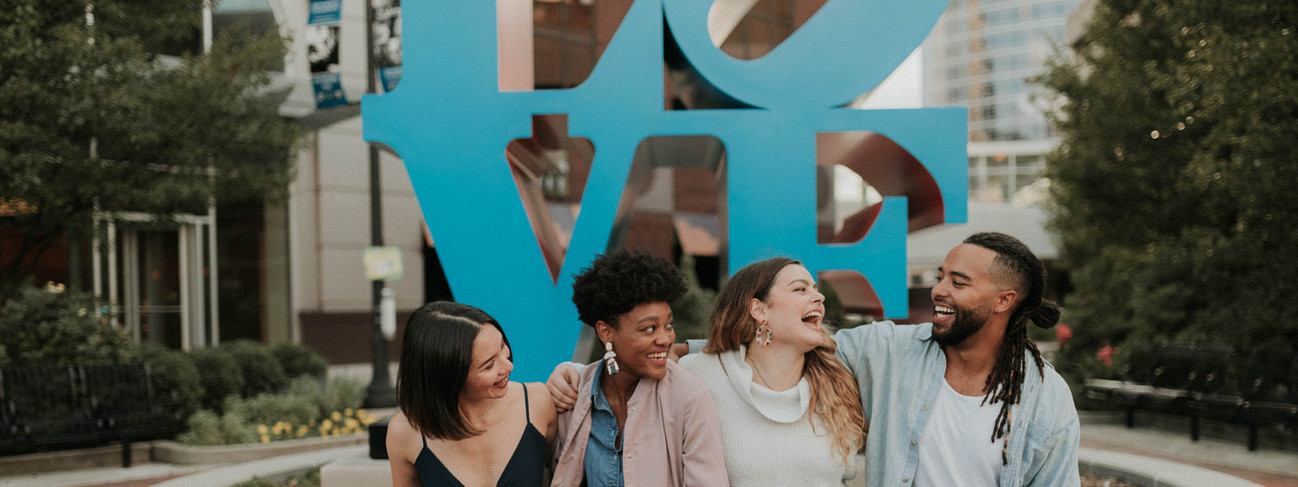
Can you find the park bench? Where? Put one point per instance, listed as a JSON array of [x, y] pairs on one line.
[[1255, 389], [70, 406], [1161, 377]]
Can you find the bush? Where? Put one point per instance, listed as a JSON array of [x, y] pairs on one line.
[[208, 429], [177, 385], [308, 479], [273, 408], [221, 376], [261, 371], [310, 407], [298, 360], [335, 395], [54, 326]]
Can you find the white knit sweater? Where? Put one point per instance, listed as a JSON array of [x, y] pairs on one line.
[[766, 435]]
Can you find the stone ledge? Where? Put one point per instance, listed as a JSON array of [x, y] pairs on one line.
[[1152, 472], [104, 456], [182, 454]]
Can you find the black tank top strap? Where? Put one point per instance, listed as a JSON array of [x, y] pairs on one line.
[[527, 407]]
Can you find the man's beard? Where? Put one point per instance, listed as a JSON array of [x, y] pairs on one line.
[[966, 323]]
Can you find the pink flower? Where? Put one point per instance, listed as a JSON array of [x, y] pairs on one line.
[[1106, 354], [1063, 333]]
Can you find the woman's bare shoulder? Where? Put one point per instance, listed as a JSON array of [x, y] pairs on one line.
[[403, 440]]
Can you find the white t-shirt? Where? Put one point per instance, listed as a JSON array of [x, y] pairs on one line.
[[956, 449]]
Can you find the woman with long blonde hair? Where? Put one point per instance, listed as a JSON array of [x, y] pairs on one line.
[[790, 412]]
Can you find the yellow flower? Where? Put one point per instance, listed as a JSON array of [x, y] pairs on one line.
[[347, 412], [302, 430], [265, 439], [351, 423], [335, 416], [262, 429]]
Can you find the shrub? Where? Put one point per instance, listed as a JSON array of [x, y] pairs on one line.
[[308, 479], [54, 326], [298, 360], [272, 408], [261, 372], [208, 429], [311, 407], [177, 385], [334, 395], [220, 376]]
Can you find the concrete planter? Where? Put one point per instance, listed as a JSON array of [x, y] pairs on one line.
[[179, 453]]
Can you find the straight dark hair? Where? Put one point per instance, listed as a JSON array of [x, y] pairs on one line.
[[436, 352]]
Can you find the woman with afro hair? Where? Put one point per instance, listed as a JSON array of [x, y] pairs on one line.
[[638, 418]]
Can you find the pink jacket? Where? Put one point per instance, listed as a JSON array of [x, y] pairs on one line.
[[671, 439]]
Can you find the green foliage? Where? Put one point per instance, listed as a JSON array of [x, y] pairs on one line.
[[270, 408], [308, 479], [54, 326], [334, 395], [219, 375], [298, 360], [92, 118], [261, 371], [1174, 186], [206, 428], [309, 407], [834, 314], [692, 310], [176, 382]]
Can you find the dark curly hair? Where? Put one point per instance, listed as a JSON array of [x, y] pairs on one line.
[[619, 281]]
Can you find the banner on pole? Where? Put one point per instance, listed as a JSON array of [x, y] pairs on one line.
[[322, 34], [387, 42]]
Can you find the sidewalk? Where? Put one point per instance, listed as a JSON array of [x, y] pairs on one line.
[[1104, 431], [1166, 456]]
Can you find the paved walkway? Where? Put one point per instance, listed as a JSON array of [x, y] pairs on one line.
[[1272, 468], [1172, 457]]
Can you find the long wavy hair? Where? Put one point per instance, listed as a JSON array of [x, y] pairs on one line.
[[835, 398]]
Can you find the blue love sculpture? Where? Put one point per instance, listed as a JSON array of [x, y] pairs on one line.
[[450, 123]]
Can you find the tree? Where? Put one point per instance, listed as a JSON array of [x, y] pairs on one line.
[[1175, 185], [91, 116]]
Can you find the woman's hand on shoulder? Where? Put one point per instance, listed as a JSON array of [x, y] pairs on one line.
[[562, 386]]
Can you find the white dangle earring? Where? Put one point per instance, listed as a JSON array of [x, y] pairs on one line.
[[610, 359], [763, 334]]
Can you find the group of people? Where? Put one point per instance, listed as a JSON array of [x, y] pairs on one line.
[[771, 397]]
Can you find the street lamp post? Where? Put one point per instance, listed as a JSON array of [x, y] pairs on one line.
[[380, 393]]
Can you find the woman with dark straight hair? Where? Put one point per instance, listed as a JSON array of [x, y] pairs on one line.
[[462, 422]]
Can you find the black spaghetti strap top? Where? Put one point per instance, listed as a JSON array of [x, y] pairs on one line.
[[523, 470]]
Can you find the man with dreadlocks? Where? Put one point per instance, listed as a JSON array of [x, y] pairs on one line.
[[966, 400]]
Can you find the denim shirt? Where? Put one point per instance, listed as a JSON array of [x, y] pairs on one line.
[[603, 455], [900, 369]]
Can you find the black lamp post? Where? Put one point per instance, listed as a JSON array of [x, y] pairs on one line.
[[380, 393]]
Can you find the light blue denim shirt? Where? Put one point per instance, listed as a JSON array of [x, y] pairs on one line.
[[603, 455], [899, 369]]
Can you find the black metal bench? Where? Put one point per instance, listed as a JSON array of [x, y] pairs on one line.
[[1162, 377], [1255, 389], [55, 407]]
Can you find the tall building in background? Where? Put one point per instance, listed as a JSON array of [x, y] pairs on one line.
[[979, 55]]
